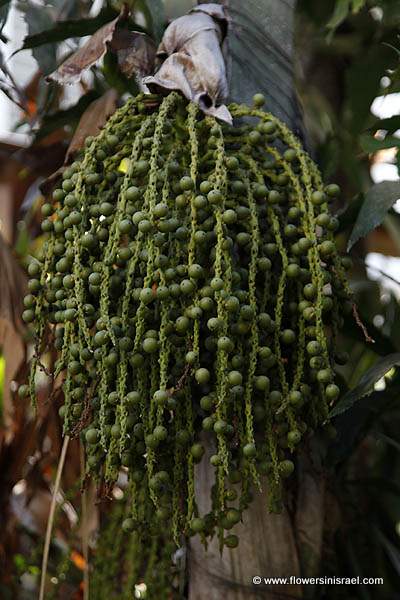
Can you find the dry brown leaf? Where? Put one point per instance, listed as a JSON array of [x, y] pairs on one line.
[[193, 61], [6, 204], [13, 350], [136, 52], [92, 120], [72, 69], [12, 289], [379, 240], [32, 511]]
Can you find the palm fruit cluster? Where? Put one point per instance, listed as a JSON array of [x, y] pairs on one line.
[[192, 288], [134, 564]]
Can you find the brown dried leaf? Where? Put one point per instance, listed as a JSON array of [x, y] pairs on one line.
[[32, 512], [72, 69], [13, 285], [381, 241], [13, 350], [136, 52], [92, 120], [193, 61]]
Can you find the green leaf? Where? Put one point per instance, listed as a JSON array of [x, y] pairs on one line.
[[357, 5], [396, 50], [177, 8], [391, 124], [38, 18], [64, 30], [391, 550], [260, 42], [388, 440], [113, 76], [4, 9], [366, 383], [378, 200], [363, 79], [353, 425], [370, 144], [155, 12], [341, 10]]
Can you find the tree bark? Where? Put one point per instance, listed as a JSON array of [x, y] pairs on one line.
[[271, 545], [259, 57]]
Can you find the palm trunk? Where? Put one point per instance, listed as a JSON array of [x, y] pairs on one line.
[[271, 545], [259, 58]]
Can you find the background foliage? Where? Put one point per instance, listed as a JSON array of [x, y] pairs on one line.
[[346, 53]]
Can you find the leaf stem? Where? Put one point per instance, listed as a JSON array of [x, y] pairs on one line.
[[50, 520]]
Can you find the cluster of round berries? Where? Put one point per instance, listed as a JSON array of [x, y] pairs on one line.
[[191, 285]]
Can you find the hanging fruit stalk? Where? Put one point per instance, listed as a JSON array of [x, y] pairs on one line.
[[191, 285]]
